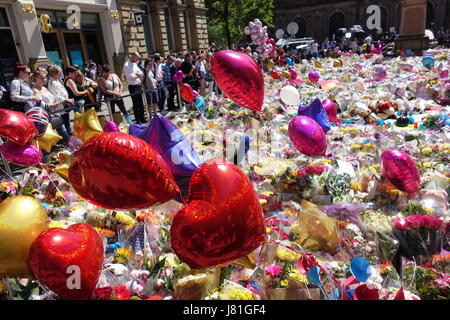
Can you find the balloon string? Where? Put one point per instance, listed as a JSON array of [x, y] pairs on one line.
[[9, 176], [51, 180]]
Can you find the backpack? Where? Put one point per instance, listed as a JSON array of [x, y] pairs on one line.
[[7, 103]]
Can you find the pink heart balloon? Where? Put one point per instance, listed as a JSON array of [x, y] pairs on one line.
[[293, 74], [307, 136], [330, 109], [239, 77], [27, 155], [400, 170], [178, 76], [111, 126]]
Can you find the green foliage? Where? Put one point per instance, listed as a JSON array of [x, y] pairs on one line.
[[228, 18]]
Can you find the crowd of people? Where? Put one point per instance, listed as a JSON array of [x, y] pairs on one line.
[[150, 81], [78, 89]]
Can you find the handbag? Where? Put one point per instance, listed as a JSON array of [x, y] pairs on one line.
[[56, 120]]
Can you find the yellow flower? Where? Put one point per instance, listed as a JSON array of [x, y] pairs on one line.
[[427, 151], [56, 224], [284, 283], [268, 229], [355, 146], [428, 209], [236, 294], [295, 274], [376, 167], [286, 255], [327, 161], [122, 255], [427, 164]]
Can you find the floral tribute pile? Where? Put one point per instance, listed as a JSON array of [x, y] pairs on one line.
[[335, 228]]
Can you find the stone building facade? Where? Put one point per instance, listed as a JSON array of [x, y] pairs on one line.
[[320, 19], [65, 32], [169, 26]]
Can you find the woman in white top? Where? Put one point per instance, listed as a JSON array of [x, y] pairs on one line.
[[200, 66], [48, 101], [112, 87], [59, 91], [19, 89], [151, 88]]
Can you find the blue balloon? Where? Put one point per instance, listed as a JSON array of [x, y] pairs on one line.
[[317, 112], [200, 104], [165, 138], [289, 61], [313, 276], [243, 148], [428, 61], [349, 293], [408, 52], [360, 268]]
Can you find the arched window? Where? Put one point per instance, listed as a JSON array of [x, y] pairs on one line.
[[301, 27], [336, 21]]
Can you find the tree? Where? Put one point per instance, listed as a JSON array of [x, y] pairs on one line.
[[228, 18]]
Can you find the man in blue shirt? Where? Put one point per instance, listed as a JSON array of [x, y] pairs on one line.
[[169, 69]]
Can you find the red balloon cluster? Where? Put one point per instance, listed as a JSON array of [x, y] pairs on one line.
[[400, 171], [68, 261], [239, 77], [17, 127], [119, 171], [223, 220]]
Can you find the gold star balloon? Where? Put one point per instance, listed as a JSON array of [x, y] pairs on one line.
[[318, 64], [270, 64], [22, 220], [49, 139], [65, 160], [86, 125]]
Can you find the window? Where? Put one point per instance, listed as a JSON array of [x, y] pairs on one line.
[[147, 31], [8, 53], [3, 18], [301, 33], [337, 20], [168, 29], [186, 30]]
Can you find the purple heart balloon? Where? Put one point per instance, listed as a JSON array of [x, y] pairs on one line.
[[111, 126], [307, 136], [27, 155], [400, 170], [313, 76], [169, 141]]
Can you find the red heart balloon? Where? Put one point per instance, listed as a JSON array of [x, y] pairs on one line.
[[68, 261], [119, 171], [275, 75], [187, 93], [223, 220], [239, 77], [17, 127], [330, 109], [400, 170]]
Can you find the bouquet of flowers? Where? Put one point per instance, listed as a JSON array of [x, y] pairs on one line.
[[419, 236]]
